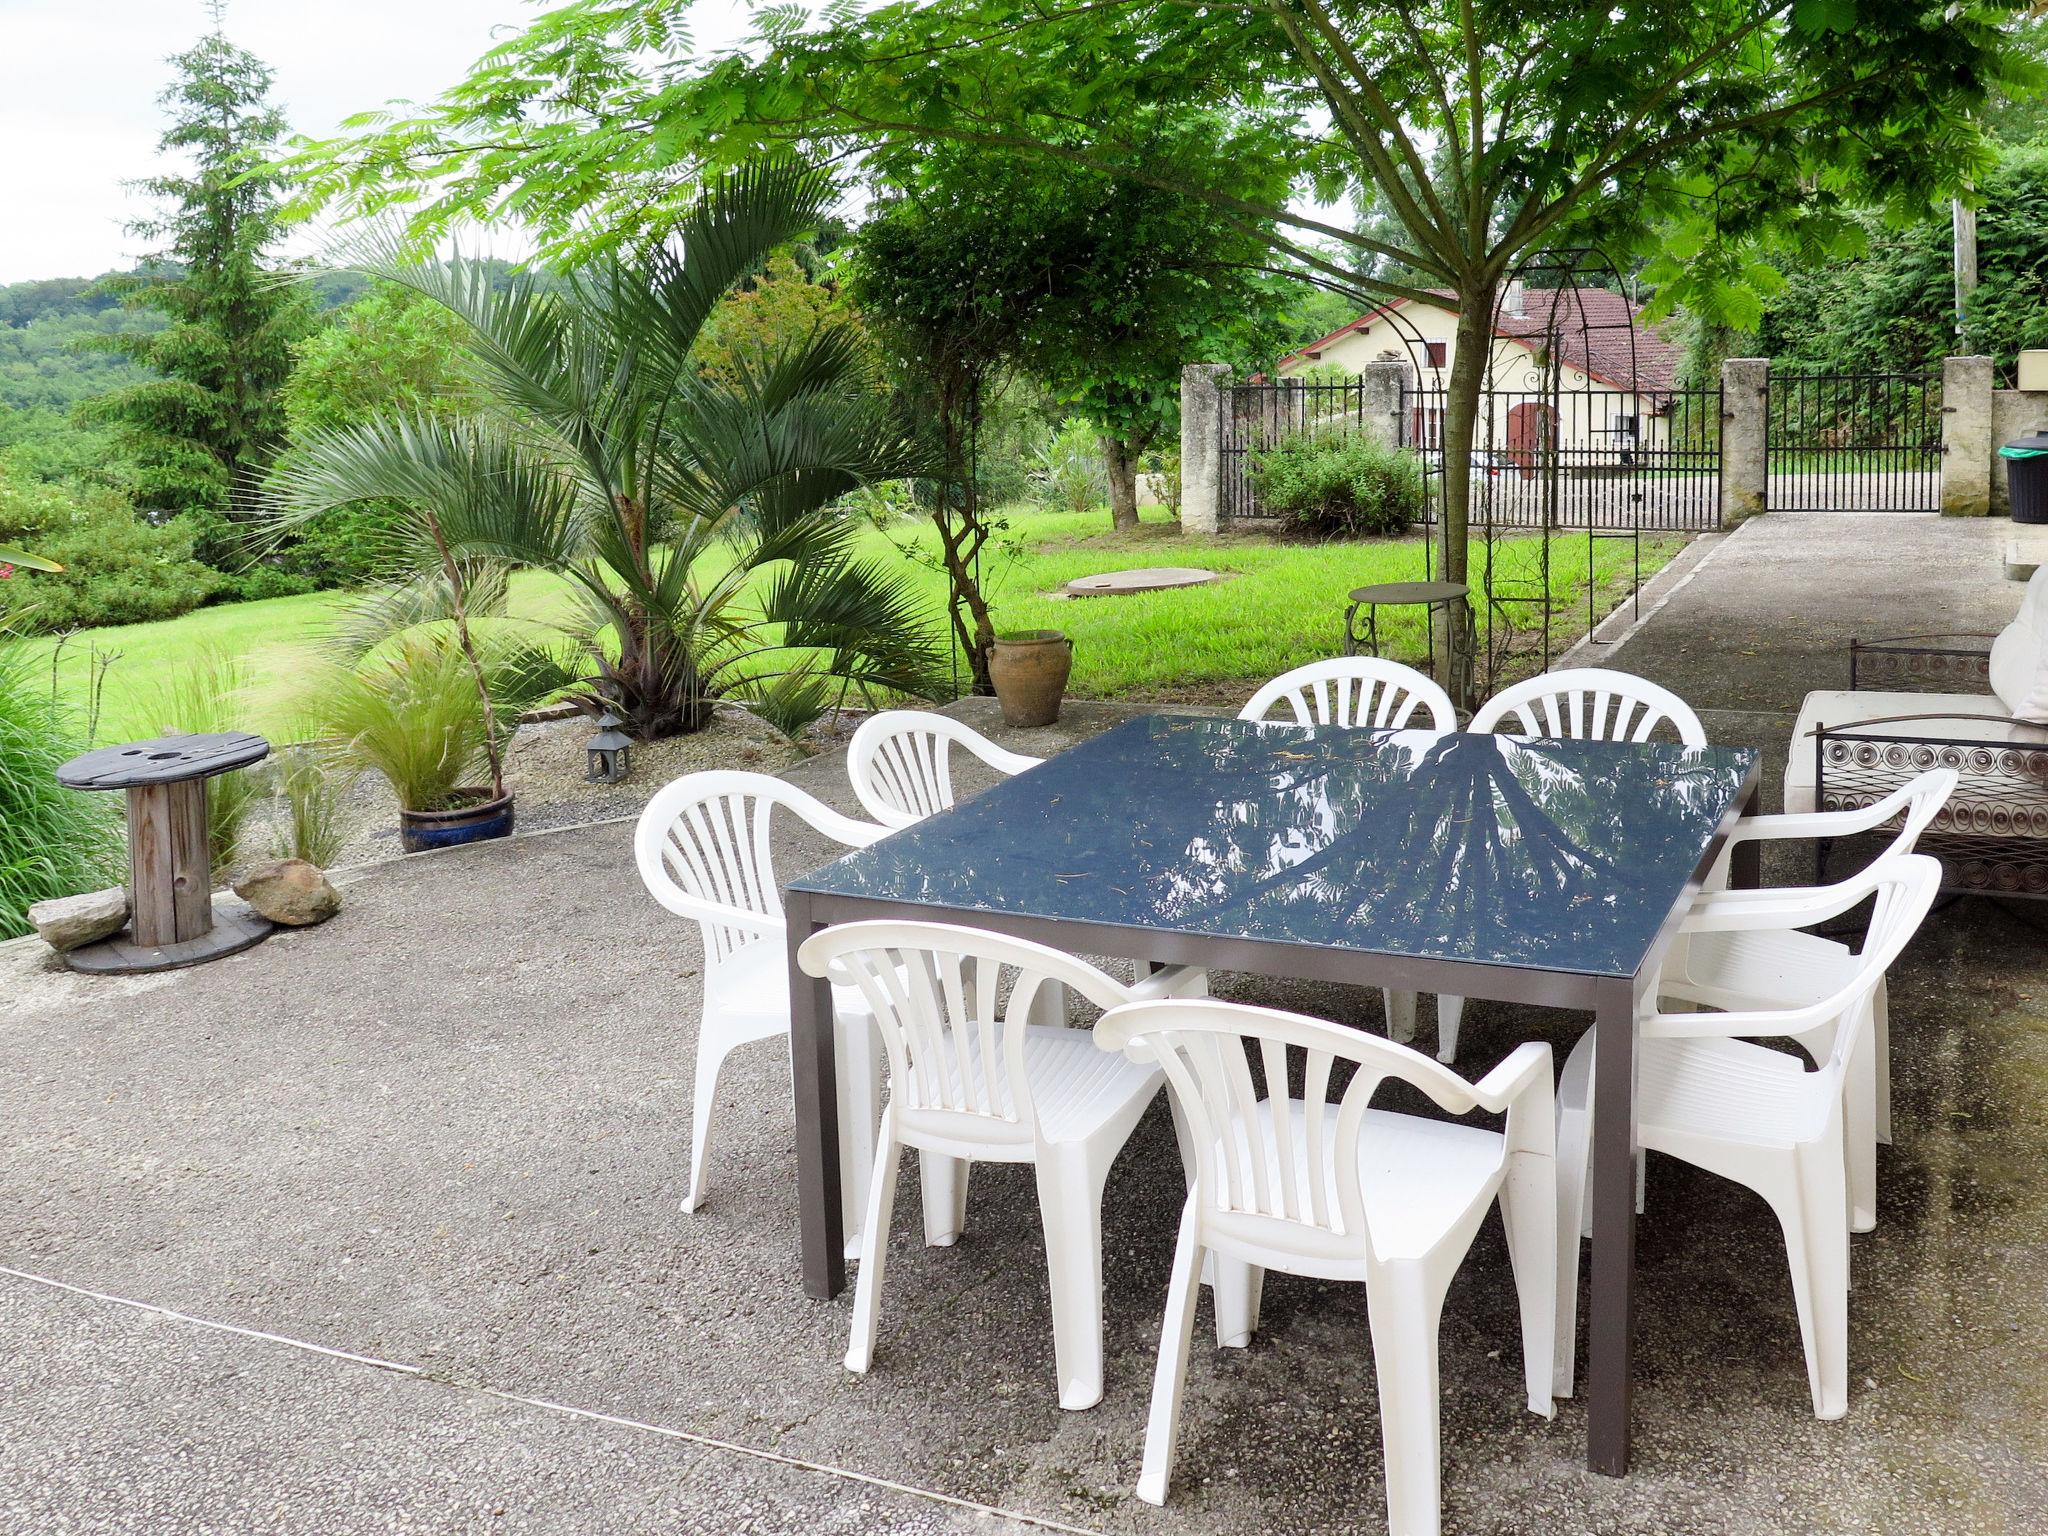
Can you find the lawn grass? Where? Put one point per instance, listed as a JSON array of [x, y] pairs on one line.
[[1282, 604]]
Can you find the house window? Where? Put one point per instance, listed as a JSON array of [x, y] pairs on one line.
[[1435, 352]]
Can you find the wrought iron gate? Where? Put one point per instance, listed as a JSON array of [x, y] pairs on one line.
[[1608, 460], [1852, 442]]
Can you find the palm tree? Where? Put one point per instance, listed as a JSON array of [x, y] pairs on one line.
[[692, 517]]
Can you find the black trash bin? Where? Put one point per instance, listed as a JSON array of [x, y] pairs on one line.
[[2026, 474]]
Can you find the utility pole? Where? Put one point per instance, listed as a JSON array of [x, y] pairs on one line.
[[1965, 259]]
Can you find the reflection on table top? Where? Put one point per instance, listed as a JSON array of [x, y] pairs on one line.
[[1557, 855]]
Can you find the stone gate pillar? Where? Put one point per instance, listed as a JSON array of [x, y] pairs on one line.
[[1202, 387], [1382, 387], [1966, 445], [1745, 382]]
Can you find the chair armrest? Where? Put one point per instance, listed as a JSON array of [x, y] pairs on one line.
[[1783, 906], [1523, 1066], [719, 914], [1729, 1026], [1173, 981]]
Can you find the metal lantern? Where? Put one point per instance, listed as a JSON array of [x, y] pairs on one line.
[[610, 751]]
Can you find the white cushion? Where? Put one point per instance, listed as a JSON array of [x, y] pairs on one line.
[[1984, 719], [2019, 656]]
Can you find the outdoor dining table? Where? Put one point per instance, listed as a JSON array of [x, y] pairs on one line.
[[1544, 872]]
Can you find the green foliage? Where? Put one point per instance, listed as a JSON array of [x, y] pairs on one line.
[[1338, 485], [1892, 309], [1071, 477], [312, 791], [394, 350], [602, 453], [53, 841], [201, 429], [411, 712], [118, 569], [779, 307]]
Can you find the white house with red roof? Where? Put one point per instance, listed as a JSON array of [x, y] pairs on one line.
[[1615, 375]]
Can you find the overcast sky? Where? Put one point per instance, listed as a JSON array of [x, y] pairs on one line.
[[79, 81]]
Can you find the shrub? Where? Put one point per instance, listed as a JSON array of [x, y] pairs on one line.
[[1327, 485], [53, 841], [118, 569], [1071, 472]]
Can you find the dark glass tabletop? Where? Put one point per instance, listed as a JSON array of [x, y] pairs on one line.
[[1551, 855]]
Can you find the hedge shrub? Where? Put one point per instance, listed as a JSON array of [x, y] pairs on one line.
[[118, 568], [1332, 485]]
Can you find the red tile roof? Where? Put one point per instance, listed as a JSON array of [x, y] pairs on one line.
[[1593, 325]]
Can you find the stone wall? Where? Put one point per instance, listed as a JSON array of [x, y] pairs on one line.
[[2014, 413]]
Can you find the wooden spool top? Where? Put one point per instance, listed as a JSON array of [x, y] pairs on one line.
[[166, 760]]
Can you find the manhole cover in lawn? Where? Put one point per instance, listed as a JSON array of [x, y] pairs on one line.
[[1150, 578]]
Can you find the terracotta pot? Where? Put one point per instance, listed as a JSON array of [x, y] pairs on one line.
[[1029, 669], [474, 818]]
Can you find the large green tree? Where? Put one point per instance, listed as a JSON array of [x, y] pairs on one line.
[[1111, 285], [201, 430], [1479, 130]]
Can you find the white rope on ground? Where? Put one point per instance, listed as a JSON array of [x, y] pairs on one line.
[[590, 1415]]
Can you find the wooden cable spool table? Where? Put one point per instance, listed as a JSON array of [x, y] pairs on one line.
[[172, 920]]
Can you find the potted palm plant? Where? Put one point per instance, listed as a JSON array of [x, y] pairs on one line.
[[413, 710]]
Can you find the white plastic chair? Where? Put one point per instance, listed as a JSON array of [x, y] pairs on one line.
[[1333, 1189], [1784, 968], [901, 763], [1360, 691], [1590, 704], [1357, 691], [973, 1081], [704, 852], [1707, 1094]]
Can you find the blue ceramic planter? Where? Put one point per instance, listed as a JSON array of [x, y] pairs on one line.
[[476, 820]]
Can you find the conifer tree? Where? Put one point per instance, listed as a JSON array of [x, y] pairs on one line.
[[200, 433]]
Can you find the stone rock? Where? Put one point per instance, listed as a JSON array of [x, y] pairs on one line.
[[291, 892], [66, 922]]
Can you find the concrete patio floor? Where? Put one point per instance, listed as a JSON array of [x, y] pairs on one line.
[[444, 1134]]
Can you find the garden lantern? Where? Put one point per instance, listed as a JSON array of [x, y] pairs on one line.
[[610, 751]]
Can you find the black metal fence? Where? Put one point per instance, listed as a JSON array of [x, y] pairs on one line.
[[1257, 417], [1607, 460], [1853, 442]]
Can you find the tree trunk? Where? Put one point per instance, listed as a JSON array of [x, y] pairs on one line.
[[1470, 363], [1121, 457]]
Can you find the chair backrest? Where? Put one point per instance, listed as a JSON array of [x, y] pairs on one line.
[[952, 1004], [704, 852], [901, 763], [1355, 690], [1273, 1190], [1592, 704]]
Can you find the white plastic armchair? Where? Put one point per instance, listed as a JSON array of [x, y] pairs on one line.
[[1706, 1093], [1327, 1186], [973, 1080], [1355, 691], [901, 763], [705, 852], [1781, 968], [1591, 704]]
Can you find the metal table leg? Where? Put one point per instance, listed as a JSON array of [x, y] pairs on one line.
[[1611, 1320], [814, 1075]]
